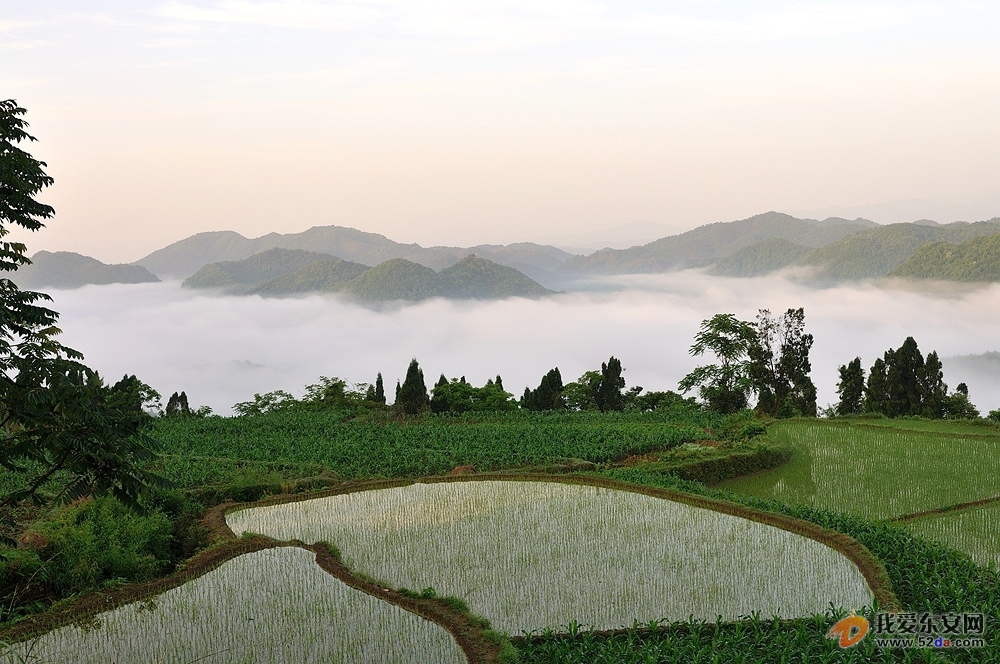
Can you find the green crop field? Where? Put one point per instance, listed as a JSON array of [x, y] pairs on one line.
[[364, 447], [270, 607], [531, 555], [880, 468], [975, 531]]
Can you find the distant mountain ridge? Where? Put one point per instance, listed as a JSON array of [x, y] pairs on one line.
[[277, 272], [185, 257], [879, 252], [708, 244], [831, 250], [65, 269]]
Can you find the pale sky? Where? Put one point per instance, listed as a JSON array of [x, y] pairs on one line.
[[466, 122]]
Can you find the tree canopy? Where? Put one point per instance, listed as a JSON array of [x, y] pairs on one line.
[[58, 415], [725, 386]]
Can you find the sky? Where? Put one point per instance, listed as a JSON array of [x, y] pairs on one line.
[[222, 350], [461, 123]]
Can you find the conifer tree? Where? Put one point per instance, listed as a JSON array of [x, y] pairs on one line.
[[877, 389], [851, 387], [609, 391], [413, 393], [548, 394], [933, 390], [904, 375], [379, 389]]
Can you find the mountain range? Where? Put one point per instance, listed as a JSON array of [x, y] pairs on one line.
[[185, 257], [328, 257]]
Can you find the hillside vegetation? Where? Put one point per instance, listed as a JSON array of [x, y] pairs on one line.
[[763, 257], [290, 271], [65, 269], [707, 244], [878, 252], [974, 260], [238, 277], [928, 250]]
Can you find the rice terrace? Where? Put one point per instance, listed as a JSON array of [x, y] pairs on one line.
[[589, 543]]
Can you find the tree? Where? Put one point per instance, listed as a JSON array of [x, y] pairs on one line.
[[956, 406], [877, 389], [609, 391], [57, 414], [440, 402], [661, 401], [177, 405], [131, 394], [265, 403], [379, 389], [67, 421], [412, 396], [851, 388], [582, 393], [548, 395], [779, 364], [725, 386], [933, 390], [904, 375], [458, 396]]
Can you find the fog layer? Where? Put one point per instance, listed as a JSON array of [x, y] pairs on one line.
[[221, 350]]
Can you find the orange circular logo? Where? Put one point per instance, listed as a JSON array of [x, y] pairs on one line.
[[849, 630]]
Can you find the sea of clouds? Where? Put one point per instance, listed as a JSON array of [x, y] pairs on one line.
[[222, 350]]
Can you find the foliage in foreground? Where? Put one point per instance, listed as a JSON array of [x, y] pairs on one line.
[[91, 545]]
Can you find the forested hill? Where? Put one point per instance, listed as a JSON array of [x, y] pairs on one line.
[[279, 272], [974, 260], [708, 244], [184, 258], [276, 271], [926, 249], [65, 269]]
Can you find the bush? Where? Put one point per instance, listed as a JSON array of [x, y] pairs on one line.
[[84, 547]]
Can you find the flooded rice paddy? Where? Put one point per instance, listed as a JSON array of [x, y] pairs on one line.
[[535, 555]]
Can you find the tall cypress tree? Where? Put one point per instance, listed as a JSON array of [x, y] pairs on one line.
[[851, 387], [934, 391], [877, 389], [904, 375], [379, 389], [413, 393], [609, 391]]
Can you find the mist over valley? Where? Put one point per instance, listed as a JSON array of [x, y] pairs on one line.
[[223, 349]]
